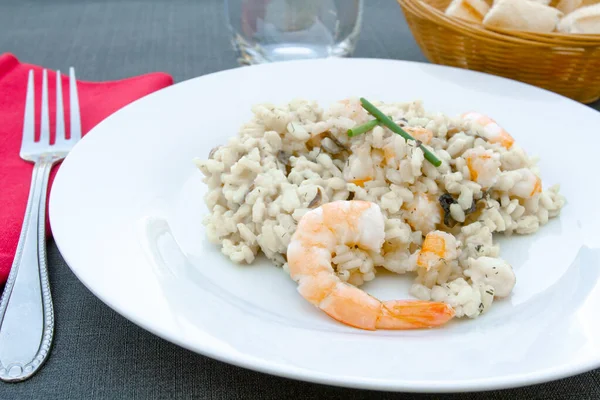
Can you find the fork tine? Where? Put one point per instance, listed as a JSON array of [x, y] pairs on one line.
[[29, 118], [60, 116], [45, 128], [74, 107]]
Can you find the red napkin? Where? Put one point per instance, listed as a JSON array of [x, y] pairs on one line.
[[96, 102]]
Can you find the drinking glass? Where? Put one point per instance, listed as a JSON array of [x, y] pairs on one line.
[[279, 30]]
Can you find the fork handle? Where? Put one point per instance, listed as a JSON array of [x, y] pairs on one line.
[[26, 312]]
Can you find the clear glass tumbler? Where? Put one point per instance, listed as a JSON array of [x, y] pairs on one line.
[[280, 30]]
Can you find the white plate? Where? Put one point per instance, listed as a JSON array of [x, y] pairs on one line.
[[126, 212]]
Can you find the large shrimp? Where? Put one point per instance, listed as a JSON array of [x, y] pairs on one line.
[[492, 132], [353, 223]]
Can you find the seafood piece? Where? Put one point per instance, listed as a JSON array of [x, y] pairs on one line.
[[529, 184], [437, 247], [360, 167], [424, 213], [492, 132], [354, 110], [484, 166], [421, 134], [389, 153], [352, 223]]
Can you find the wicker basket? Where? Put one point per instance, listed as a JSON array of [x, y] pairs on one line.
[[567, 64]]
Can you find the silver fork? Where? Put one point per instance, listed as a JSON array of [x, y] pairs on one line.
[[26, 312]]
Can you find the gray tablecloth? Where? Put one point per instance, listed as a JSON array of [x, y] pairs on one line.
[[97, 353]]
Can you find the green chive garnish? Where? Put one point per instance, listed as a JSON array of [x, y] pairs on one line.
[[359, 130], [384, 120]]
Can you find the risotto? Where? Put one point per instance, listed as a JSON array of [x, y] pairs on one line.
[[290, 159]]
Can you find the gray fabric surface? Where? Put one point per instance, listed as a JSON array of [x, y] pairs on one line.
[[97, 353]]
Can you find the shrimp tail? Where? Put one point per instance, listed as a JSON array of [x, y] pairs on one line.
[[352, 307], [413, 314]]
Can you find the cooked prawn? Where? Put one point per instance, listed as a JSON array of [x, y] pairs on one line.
[[529, 184], [309, 255], [437, 247], [424, 213], [360, 167], [484, 166], [389, 154], [491, 131], [421, 134], [355, 110]]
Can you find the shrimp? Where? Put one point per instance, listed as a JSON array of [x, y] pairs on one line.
[[484, 166], [389, 153], [309, 255], [424, 213], [491, 131], [354, 110], [438, 246], [423, 135], [529, 185], [360, 168]]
